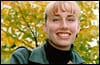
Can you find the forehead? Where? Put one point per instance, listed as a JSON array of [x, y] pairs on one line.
[[63, 14], [62, 6]]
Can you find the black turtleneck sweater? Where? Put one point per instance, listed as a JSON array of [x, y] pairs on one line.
[[55, 56]]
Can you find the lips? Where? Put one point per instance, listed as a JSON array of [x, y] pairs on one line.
[[63, 35]]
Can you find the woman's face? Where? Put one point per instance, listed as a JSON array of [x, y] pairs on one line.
[[62, 28]]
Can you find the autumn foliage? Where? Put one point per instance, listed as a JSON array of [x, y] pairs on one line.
[[21, 25]]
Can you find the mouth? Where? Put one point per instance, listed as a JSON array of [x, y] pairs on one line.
[[63, 35]]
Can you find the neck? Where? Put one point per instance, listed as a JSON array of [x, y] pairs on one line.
[[56, 56], [66, 48]]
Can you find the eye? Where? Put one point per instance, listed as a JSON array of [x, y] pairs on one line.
[[54, 20], [71, 20]]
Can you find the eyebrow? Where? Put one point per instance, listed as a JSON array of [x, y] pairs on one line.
[[70, 16], [67, 16], [57, 15]]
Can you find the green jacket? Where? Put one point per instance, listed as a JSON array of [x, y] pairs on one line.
[[37, 56]]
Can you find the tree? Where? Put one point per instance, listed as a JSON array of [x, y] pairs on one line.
[[21, 24]]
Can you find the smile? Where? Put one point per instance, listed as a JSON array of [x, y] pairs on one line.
[[63, 35]]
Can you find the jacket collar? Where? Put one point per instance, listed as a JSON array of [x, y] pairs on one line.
[[38, 55]]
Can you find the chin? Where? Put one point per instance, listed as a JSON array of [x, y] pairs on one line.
[[63, 44]]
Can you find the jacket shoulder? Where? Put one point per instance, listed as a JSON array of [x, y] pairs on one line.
[[77, 59], [20, 56]]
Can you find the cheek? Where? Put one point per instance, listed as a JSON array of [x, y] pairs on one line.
[[74, 28], [52, 27]]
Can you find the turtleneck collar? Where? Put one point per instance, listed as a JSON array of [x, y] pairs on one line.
[[56, 56]]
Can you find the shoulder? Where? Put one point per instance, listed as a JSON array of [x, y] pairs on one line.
[[77, 59], [21, 51], [19, 56]]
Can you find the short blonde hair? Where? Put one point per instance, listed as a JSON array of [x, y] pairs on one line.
[[69, 6]]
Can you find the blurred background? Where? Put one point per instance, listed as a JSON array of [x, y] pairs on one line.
[[21, 25]]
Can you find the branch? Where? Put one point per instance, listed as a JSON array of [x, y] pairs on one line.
[[35, 36]]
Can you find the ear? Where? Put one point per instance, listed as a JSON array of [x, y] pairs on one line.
[[44, 27], [78, 27]]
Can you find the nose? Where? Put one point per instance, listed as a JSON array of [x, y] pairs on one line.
[[64, 24]]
